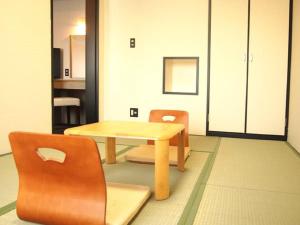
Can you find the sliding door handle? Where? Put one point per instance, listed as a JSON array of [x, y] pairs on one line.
[[251, 57], [245, 57]]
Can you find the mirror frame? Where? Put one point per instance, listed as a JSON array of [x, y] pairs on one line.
[[92, 61]]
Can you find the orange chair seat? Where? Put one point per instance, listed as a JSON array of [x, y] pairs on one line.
[[124, 201], [146, 154]]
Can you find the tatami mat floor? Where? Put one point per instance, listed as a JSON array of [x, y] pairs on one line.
[[167, 211], [226, 182], [182, 185], [252, 182]]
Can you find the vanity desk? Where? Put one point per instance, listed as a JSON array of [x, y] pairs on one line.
[[69, 84], [70, 87]]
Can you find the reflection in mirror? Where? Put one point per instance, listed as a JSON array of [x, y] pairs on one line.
[[74, 29], [181, 75], [77, 56], [68, 19]]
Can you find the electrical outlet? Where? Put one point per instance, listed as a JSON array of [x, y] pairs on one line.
[[67, 72], [134, 112], [132, 42]]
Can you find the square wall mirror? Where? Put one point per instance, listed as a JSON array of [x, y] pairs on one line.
[[180, 75]]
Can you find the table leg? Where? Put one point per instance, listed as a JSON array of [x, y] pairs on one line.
[[162, 188], [110, 150], [180, 151]]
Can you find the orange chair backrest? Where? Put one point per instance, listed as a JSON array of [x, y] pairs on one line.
[[50, 192], [161, 116]]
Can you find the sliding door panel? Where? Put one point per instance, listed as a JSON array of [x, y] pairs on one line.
[[269, 29], [229, 25]]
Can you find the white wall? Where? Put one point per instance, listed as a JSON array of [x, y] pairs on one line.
[[66, 16], [133, 77], [25, 71], [294, 119]]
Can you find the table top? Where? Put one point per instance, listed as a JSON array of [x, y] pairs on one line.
[[126, 129]]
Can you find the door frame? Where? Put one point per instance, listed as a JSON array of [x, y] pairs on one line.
[[248, 135], [92, 61]]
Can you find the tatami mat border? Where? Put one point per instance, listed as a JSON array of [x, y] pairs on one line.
[[191, 208], [7, 208], [5, 154]]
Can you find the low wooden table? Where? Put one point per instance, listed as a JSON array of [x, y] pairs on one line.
[[161, 133]]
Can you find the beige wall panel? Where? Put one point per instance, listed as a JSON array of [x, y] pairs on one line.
[[228, 65], [25, 72], [77, 59], [132, 77], [294, 119], [269, 29]]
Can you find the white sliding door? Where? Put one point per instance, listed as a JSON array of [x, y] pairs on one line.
[[228, 66], [269, 30]]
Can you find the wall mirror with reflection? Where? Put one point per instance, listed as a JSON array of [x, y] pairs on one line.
[[69, 64], [180, 75]]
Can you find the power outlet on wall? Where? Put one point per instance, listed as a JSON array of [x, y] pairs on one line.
[[67, 72], [132, 42], [134, 112]]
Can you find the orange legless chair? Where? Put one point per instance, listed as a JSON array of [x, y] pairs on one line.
[[71, 191], [145, 153]]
